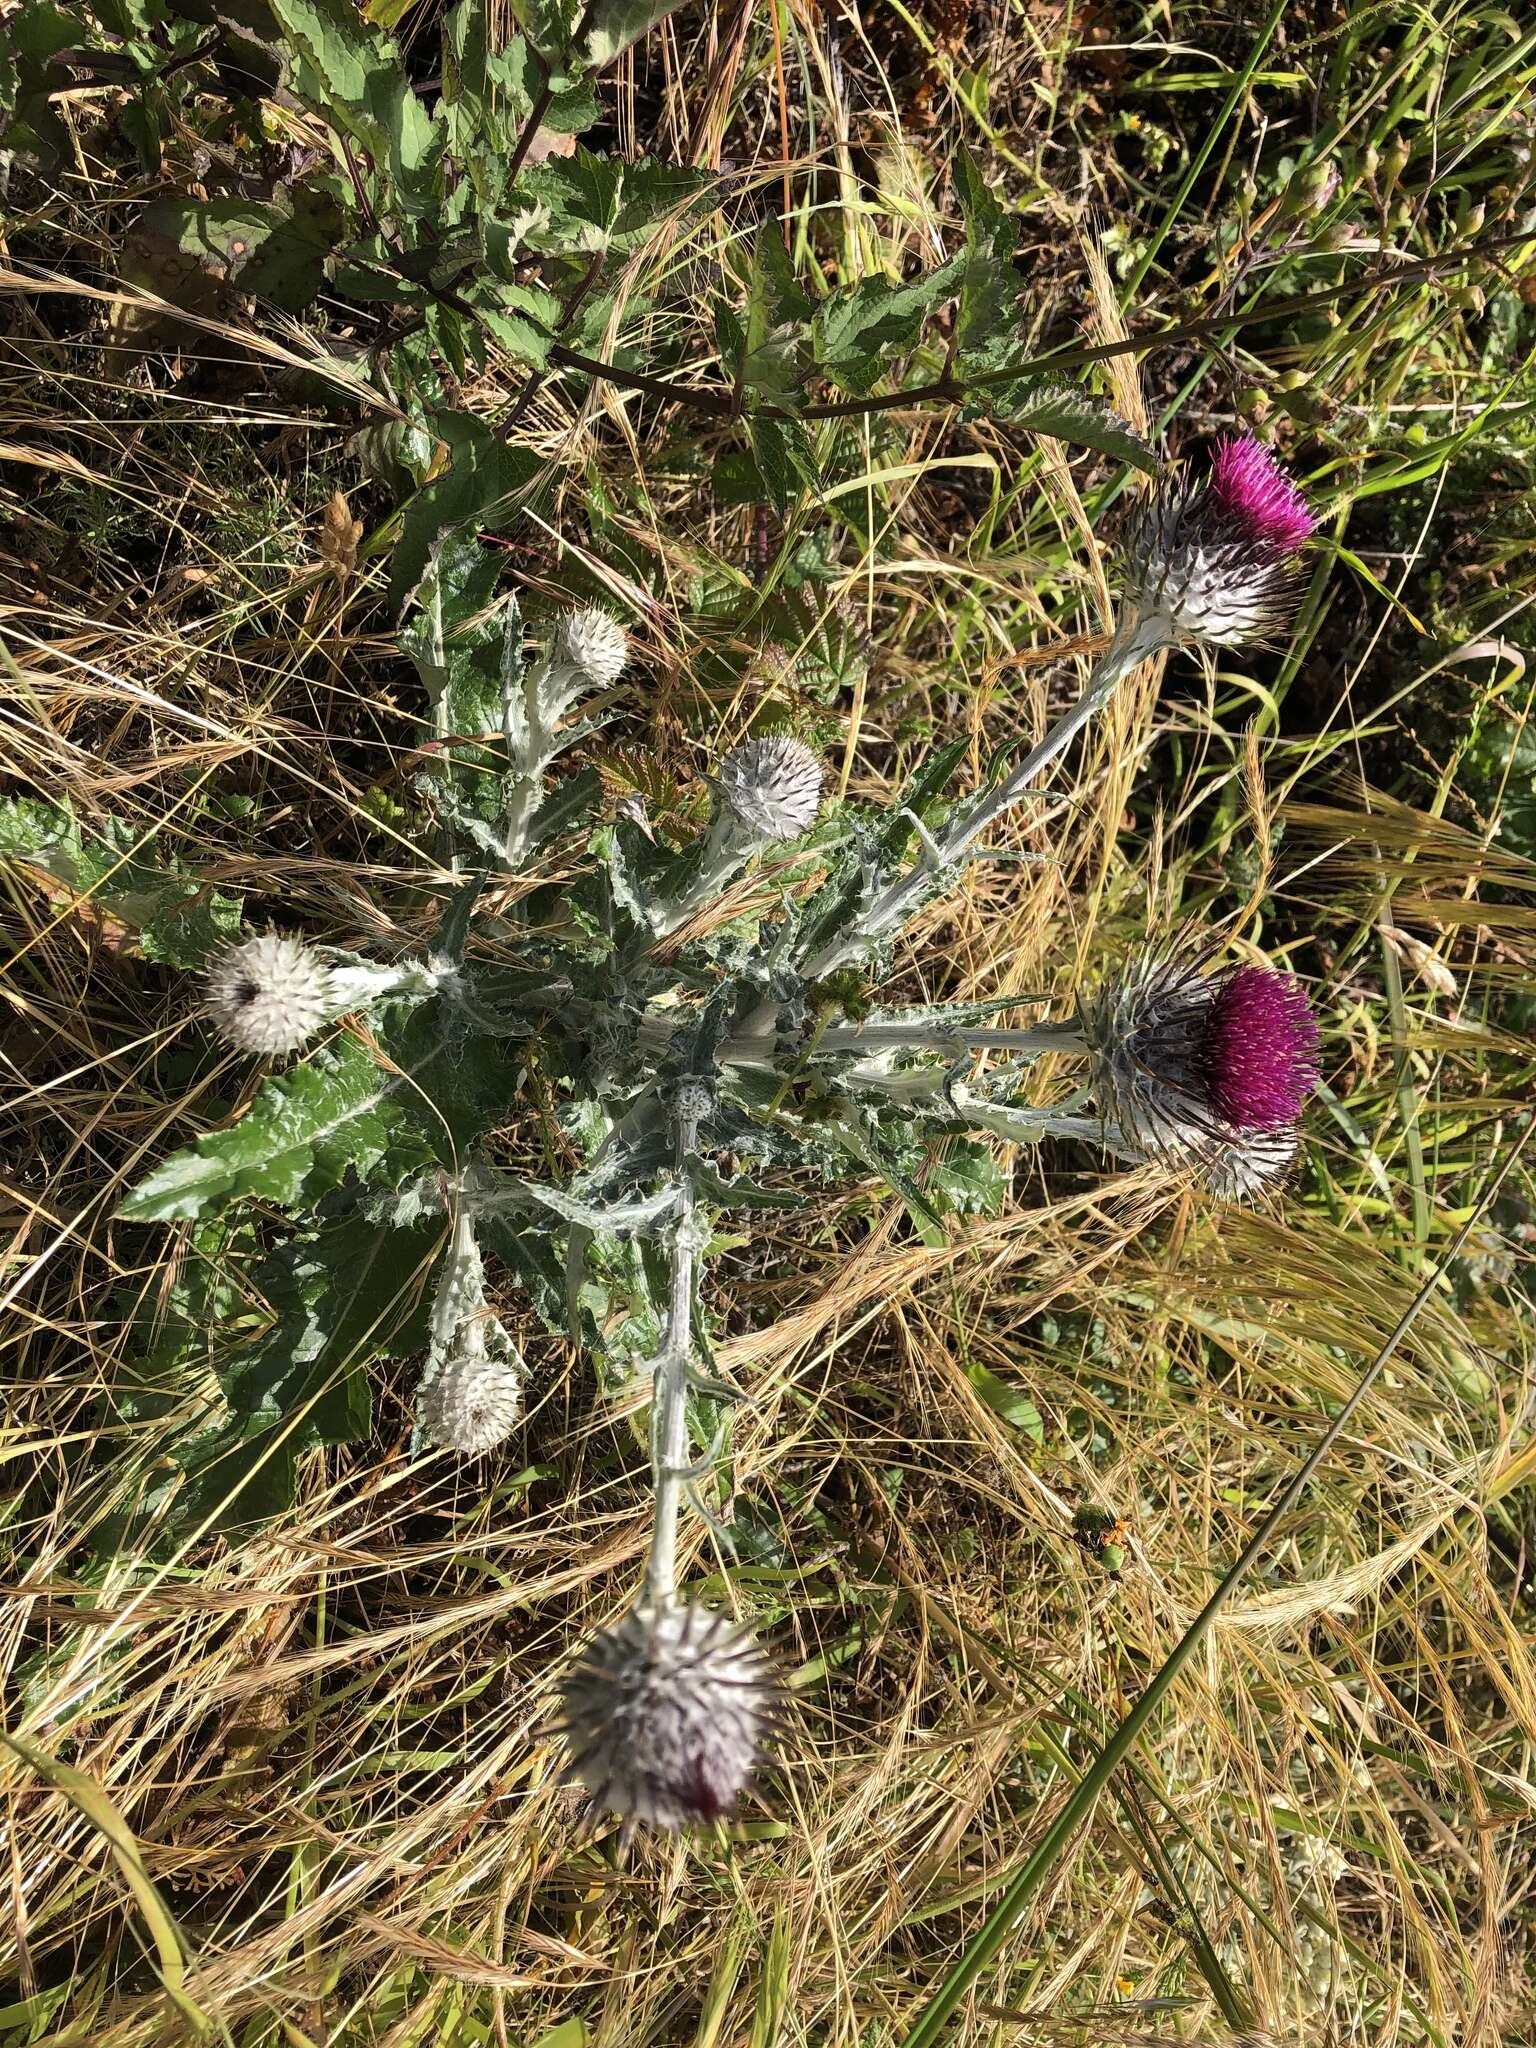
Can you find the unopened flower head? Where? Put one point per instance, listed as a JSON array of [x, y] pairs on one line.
[[1215, 560], [773, 786], [593, 641], [270, 994], [472, 1403], [1207, 1068], [665, 1714]]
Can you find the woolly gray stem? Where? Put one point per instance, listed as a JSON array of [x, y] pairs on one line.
[[527, 771], [753, 1050], [1135, 640], [722, 855], [941, 1037], [460, 1286], [669, 1389]]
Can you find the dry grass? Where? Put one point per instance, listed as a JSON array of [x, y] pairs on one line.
[[327, 1749]]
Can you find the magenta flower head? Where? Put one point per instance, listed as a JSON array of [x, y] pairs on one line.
[[1216, 560], [1257, 496], [1205, 1068], [665, 1714]]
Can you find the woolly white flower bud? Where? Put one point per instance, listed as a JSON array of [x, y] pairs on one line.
[[665, 1712], [270, 994], [594, 642], [772, 786], [473, 1400]]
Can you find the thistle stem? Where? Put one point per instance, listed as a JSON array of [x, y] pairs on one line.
[[939, 1036], [751, 1049], [669, 1393], [1135, 640]]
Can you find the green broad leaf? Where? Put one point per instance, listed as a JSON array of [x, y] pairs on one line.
[[115, 873], [784, 456], [339, 1110], [620, 23], [335, 1300], [351, 1291], [508, 321], [589, 205], [774, 351], [967, 1180], [573, 802], [573, 108], [885, 1147], [353, 76], [257, 246], [530, 1252], [858, 332], [483, 482], [41, 30], [1068, 412], [987, 321], [1007, 1401]]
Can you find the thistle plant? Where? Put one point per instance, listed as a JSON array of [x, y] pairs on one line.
[[674, 1030]]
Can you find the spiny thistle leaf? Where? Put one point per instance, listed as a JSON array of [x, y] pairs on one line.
[[340, 1109], [1054, 405]]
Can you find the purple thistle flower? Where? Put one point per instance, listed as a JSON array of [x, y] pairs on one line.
[[1205, 1069], [1260, 1049], [1249, 485], [1214, 561]]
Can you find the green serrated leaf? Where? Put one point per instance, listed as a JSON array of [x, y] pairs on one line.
[[1068, 412], [620, 23], [785, 458], [335, 1299], [355, 78], [773, 350], [305, 1129], [967, 1180], [482, 482], [857, 331], [986, 322], [255, 245], [457, 638], [586, 204]]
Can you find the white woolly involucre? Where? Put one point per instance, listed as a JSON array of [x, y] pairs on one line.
[[1143, 1033], [270, 995], [473, 1401], [594, 642], [1192, 572], [1248, 1166], [773, 786], [665, 1714]]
